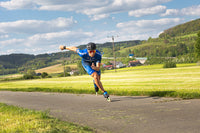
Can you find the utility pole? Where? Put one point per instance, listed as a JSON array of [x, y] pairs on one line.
[[113, 39], [63, 63]]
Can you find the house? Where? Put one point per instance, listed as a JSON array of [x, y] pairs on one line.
[[118, 64], [73, 72], [109, 67], [131, 55], [134, 63], [142, 60]]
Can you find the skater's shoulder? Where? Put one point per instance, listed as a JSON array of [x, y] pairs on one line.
[[98, 52], [82, 52]]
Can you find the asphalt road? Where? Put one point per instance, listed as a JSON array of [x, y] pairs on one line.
[[123, 115]]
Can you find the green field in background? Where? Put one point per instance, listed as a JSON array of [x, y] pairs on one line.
[[183, 81]]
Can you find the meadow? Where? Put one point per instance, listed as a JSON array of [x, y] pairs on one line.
[[55, 68], [153, 80]]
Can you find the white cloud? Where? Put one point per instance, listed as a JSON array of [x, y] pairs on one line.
[[148, 11], [97, 9], [40, 43], [98, 17], [11, 41], [56, 37], [189, 11], [142, 29], [36, 26], [4, 36], [171, 12], [149, 24], [18, 4], [132, 30]]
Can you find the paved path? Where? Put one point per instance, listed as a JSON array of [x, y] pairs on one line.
[[123, 115]]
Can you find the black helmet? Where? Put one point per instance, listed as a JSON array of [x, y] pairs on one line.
[[91, 46]]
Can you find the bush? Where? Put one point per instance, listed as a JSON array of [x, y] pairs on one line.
[[28, 76], [169, 64], [44, 75], [62, 74], [31, 72]]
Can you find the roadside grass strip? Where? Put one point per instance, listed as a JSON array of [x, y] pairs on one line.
[[19, 120]]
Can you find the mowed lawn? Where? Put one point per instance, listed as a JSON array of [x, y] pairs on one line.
[[183, 81]]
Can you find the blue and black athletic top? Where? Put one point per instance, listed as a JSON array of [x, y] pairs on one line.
[[86, 58]]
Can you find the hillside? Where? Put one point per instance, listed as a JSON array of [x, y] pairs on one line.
[[15, 63], [182, 29], [177, 42], [15, 60]]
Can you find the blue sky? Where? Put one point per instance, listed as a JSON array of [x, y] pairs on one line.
[[40, 26]]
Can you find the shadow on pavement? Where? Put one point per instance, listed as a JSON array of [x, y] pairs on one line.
[[116, 99], [153, 94]]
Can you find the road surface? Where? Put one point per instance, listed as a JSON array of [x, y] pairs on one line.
[[125, 114]]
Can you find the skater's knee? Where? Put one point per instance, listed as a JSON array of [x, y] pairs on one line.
[[95, 75]]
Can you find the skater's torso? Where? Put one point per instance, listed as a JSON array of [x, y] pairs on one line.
[[86, 58]]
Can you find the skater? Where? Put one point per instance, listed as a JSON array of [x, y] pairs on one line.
[[91, 62]]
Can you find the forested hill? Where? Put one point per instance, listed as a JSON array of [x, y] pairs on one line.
[[182, 29], [18, 62], [15, 60]]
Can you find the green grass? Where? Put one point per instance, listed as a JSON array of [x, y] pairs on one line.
[[18, 120], [154, 80]]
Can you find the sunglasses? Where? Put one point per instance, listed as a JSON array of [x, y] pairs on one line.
[[92, 51]]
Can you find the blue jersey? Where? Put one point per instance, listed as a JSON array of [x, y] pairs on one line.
[[85, 56], [87, 60]]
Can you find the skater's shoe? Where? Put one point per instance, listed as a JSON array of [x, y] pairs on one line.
[[105, 94]]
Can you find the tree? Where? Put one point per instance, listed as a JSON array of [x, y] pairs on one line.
[[31, 72], [181, 48], [80, 68], [197, 46], [149, 39], [44, 75]]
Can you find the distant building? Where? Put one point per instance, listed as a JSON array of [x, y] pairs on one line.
[[142, 60], [73, 72], [131, 55], [109, 67], [134, 63], [118, 64]]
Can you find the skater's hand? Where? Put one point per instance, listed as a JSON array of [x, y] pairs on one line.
[[93, 66], [62, 47]]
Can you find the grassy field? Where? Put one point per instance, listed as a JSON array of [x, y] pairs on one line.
[[10, 76], [55, 68], [18, 120], [154, 80]]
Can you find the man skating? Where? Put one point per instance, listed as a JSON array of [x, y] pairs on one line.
[[91, 62]]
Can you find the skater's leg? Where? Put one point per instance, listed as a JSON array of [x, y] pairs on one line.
[[99, 84], [95, 87], [97, 81]]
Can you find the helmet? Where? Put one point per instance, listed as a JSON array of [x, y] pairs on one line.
[[91, 46]]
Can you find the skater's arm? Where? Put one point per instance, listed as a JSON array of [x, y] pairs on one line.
[[72, 48], [97, 67]]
